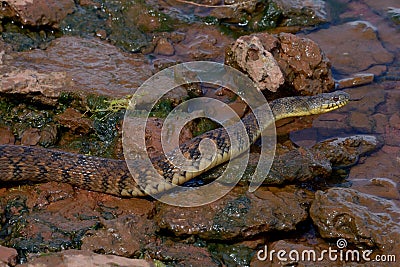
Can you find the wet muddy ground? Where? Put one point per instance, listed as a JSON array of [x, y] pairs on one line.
[[63, 63]]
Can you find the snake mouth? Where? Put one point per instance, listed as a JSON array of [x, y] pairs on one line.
[[336, 101], [333, 106]]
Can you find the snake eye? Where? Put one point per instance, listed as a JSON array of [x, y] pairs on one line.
[[335, 98]]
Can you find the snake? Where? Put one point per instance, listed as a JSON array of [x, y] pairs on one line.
[[20, 163]]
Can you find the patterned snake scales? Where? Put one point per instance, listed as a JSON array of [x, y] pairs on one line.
[[21, 163]]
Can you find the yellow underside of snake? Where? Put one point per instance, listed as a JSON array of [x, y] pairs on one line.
[[21, 163]]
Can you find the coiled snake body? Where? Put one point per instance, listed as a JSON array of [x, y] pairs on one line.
[[21, 163]]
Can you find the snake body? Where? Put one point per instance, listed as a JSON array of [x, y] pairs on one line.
[[22, 163]]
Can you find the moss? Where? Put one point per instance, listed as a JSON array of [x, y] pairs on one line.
[[22, 116], [65, 98], [97, 104], [118, 19], [5, 111], [162, 108], [204, 125], [232, 215], [270, 18], [394, 15], [24, 38], [210, 20]]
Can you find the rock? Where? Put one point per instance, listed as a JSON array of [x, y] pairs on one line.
[[305, 66], [371, 166], [346, 151], [391, 103], [302, 62], [356, 80], [200, 42], [30, 137], [37, 13], [394, 121], [75, 121], [164, 47], [31, 82], [332, 124], [34, 136], [48, 135], [304, 164], [367, 100], [8, 256], [88, 66], [251, 53], [361, 219], [102, 34], [181, 254], [380, 122], [340, 50], [392, 135], [51, 216], [143, 16], [75, 258], [297, 165], [238, 215], [302, 13], [259, 15], [122, 236], [361, 122], [381, 187], [6, 136]]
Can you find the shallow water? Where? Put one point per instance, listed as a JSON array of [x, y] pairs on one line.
[[375, 107]]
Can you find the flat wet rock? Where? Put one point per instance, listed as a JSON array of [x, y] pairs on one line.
[[382, 187], [346, 151], [124, 236], [181, 254], [74, 258], [37, 13], [25, 81], [8, 256], [340, 50], [304, 164], [51, 216], [298, 165], [360, 218], [104, 69], [238, 215]]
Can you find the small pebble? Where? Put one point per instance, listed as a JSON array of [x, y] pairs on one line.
[[356, 80], [164, 47]]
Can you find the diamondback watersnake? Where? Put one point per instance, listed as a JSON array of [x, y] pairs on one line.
[[21, 163]]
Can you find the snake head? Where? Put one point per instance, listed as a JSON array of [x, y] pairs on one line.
[[326, 102]]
